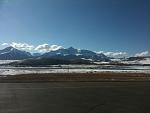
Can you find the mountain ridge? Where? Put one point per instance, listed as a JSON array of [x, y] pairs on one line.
[[11, 53]]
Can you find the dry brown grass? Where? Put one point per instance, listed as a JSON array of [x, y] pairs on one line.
[[85, 77]]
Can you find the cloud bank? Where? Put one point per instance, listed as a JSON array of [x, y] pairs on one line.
[[47, 47], [40, 48], [23, 46]]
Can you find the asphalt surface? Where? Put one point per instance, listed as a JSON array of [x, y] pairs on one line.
[[77, 97]]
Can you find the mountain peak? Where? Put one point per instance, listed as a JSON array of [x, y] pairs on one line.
[[9, 48], [71, 48], [11, 53]]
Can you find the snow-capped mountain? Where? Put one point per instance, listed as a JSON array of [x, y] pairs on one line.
[[11, 53], [72, 53]]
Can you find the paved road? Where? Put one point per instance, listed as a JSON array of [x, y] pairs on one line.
[[79, 97]]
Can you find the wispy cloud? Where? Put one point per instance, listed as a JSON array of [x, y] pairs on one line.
[[145, 53]]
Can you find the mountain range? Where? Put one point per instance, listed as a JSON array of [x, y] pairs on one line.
[[64, 56], [71, 53]]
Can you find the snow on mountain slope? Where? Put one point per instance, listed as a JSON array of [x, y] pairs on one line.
[[72, 53]]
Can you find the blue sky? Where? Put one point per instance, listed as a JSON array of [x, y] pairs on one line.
[[98, 25]]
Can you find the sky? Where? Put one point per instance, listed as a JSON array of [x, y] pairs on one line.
[[120, 26]]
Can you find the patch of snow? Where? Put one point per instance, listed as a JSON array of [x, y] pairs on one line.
[[145, 61], [4, 53], [116, 60], [66, 54], [7, 61], [86, 59], [12, 49], [78, 54], [101, 62]]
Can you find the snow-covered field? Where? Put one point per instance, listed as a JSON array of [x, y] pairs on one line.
[[144, 61], [7, 61], [74, 69]]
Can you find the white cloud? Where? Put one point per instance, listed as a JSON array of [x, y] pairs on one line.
[[47, 48], [21, 46], [114, 54], [55, 47], [145, 53], [5, 44], [42, 48]]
